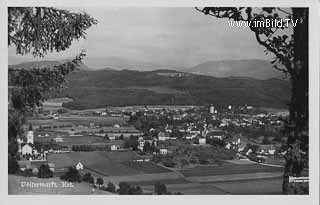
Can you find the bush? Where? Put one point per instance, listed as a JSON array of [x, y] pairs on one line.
[[160, 189], [44, 171], [13, 166], [28, 173], [100, 181], [72, 175], [88, 178], [111, 187], [126, 189], [169, 163]]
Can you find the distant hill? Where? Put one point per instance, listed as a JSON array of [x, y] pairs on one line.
[[101, 88], [252, 68], [118, 63], [44, 64], [259, 69]]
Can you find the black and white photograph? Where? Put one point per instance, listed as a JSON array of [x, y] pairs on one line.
[[147, 100]]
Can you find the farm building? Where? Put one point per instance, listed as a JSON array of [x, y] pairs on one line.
[[163, 151], [162, 136], [202, 141], [79, 166]]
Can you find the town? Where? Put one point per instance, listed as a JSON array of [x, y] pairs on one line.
[[178, 146]]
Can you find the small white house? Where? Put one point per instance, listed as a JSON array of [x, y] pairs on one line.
[[58, 139], [114, 147], [163, 151], [79, 166], [202, 141]]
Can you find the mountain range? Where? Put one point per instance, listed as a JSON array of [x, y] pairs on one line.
[[102, 88], [236, 82], [253, 68]]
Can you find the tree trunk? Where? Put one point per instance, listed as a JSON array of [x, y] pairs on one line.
[[297, 127]]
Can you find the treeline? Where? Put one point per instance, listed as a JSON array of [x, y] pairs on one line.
[[114, 88], [89, 148]]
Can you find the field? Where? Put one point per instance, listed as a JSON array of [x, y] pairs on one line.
[[105, 163], [146, 167], [260, 186], [75, 120], [229, 169]]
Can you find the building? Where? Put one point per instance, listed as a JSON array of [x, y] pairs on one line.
[[162, 136], [27, 149], [163, 151], [114, 147], [217, 134], [30, 137], [58, 139], [79, 166], [202, 141], [211, 109], [268, 149]]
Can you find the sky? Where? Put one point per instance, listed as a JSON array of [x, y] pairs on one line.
[[179, 37]]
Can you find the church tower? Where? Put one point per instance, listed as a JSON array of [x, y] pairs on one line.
[[30, 135]]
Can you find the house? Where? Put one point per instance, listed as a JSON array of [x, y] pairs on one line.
[[163, 151], [114, 147], [79, 166], [190, 136], [141, 142], [202, 141], [58, 139], [217, 134], [269, 149], [162, 136]]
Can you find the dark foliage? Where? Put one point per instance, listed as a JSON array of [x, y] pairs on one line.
[[93, 89], [127, 189], [72, 175], [44, 171], [13, 166], [88, 178]]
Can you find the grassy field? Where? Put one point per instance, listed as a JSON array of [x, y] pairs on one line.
[[106, 163], [259, 186], [75, 120], [99, 161], [146, 167], [228, 169]]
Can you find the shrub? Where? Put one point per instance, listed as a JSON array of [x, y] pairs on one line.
[[88, 178], [13, 166], [28, 173], [111, 187], [72, 175], [100, 181], [44, 171], [160, 189]]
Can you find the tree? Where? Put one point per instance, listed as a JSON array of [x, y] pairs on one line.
[[72, 175], [291, 52], [100, 182], [44, 171], [37, 31], [124, 188], [111, 187], [13, 166], [88, 178], [160, 189]]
